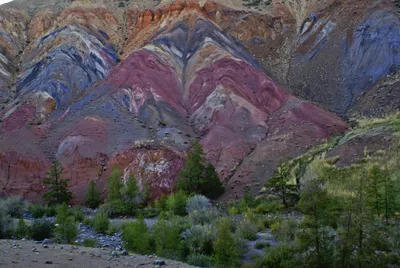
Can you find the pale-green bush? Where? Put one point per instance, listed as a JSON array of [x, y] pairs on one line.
[[247, 230], [197, 202], [199, 238]]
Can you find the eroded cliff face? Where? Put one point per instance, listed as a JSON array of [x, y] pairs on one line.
[[102, 85]]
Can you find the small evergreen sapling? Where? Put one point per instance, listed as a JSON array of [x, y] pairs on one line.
[[115, 186], [93, 196], [225, 251], [281, 185], [131, 189], [58, 187], [136, 237], [22, 229]]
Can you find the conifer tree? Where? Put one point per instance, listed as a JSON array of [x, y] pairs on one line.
[[58, 188], [160, 235], [318, 208], [199, 176], [62, 213], [381, 192], [189, 178], [374, 189], [225, 251], [145, 195], [390, 194], [115, 186], [168, 242], [22, 228], [92, 196], [67, 229], [135, 236], [131, 189], [211, 186], [280, 185]]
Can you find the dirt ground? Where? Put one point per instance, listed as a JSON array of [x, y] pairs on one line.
[[29, 254]]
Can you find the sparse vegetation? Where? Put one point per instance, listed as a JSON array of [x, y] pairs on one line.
[[89, 243], [319, 213]]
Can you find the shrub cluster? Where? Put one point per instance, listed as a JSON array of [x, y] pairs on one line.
[[101, 222]]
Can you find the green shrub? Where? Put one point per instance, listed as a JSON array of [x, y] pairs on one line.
[[149, 212], [112, 229], [284, 231], [101, 222], [203, 217], [62, 213], [51, 211], [67, 231], [283, 255], [22, 229], [77, 213], [41, 229], [225, 251], [270, 220], [161, 204], [261, 245], [121, 208], [176, 203], [199, 260], [87, 222], [247, 230], [270, 207], [89, 243], [233, 211], [37, 210], [136, 237], [199, 239], [197, 202], [241, 245], [14, 206], [167, 239]]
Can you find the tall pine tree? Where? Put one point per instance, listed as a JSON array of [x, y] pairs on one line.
[[189, 178], [211, 186], [319, 210]]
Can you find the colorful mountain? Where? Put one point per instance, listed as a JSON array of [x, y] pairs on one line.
[[98, 84]]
